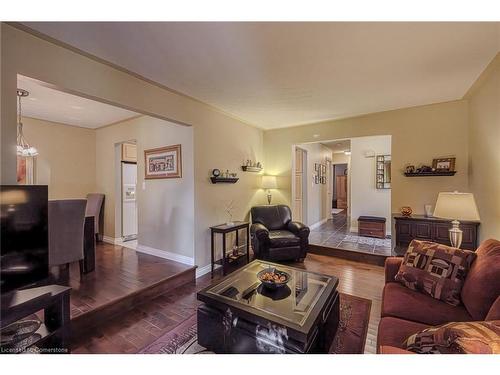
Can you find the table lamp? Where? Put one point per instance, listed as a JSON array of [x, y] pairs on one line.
[[456, 206], [269, 182]]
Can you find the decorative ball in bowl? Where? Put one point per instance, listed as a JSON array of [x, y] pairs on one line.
[[406, 211], [272, 278]]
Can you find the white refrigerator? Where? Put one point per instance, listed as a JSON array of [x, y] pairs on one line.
[[129, 202]]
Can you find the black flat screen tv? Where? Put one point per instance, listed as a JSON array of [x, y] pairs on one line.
[[24, 254]]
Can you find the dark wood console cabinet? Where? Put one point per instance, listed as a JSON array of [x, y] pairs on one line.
[[424, 228]]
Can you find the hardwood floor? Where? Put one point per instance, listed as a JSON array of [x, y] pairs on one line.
[[135, 329], [122, 278]]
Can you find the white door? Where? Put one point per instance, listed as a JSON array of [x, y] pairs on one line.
[[129, 202]]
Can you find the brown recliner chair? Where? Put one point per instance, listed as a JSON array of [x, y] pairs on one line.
[[275, 237]]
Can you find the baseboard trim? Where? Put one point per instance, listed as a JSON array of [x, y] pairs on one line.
[[200, 271], [112, 240], [165, 254], [319, 223]]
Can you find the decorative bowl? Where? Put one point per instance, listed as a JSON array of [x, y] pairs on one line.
[[265, 275], [406, 211]]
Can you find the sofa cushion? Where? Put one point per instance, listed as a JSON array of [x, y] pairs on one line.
[[284, 253], [435, 269], [393, 332], [494, 312], [273, 217], [401, 302], [283, 238], [482, 285], [457, 338], [392, 350]]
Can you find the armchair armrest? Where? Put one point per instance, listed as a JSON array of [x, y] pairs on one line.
[[260, 231], [299, 229], [391, 268]]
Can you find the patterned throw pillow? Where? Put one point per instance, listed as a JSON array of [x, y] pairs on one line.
[[458, 338], [435, 269]]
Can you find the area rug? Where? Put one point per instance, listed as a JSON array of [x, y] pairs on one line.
[[367, 240], [350, 337]]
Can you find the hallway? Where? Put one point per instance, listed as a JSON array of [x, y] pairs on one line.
[[335, 234]]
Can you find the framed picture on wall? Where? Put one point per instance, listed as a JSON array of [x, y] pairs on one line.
[[444, 164], [163, 162]]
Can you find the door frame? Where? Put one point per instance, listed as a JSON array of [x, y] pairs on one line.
[[118, 235], [123, 237], [304, 182]]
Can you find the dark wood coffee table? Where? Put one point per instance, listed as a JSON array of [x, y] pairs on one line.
[[239, 315]]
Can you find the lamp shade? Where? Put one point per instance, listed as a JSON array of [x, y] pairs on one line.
[[269, 182], [456, 206]]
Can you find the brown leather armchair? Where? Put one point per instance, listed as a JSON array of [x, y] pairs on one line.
[[275, 237]]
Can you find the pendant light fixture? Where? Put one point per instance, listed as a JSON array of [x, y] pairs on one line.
[[23, 147]]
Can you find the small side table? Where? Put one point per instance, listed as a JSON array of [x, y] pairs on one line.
[[225, 229]]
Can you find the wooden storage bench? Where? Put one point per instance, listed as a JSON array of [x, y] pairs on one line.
[[371, 226]]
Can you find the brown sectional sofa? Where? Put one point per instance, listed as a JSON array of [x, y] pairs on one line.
[[405, 312]]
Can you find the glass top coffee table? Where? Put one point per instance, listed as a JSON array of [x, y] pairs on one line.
[[298, 308]]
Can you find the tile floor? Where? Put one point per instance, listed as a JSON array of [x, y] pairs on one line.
[[335, 233]]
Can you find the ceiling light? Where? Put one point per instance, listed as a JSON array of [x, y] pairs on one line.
[[23, 147], [315, 135], [347, 152]]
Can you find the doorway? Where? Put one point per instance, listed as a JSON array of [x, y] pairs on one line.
[[128, 183], [340, 201]]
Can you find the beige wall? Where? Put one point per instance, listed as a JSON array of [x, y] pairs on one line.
[[220, 141], [340, 158], [316, 193], [66, 160], [419, 134], [484, 148], [365, 198], [165, 206]]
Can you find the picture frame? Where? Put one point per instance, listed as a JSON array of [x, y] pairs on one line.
[[444, 164], [163, 162]]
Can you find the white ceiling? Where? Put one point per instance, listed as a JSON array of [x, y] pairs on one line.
[[338, 146], [283, 74], [46, 103]]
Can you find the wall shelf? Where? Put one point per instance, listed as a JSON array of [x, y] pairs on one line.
[[430, 174], [225, 180], [247, 168]]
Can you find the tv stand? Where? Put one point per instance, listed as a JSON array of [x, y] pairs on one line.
[[54, 333]]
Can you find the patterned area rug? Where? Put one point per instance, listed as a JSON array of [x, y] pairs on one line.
[[350, 337], [367, 240]]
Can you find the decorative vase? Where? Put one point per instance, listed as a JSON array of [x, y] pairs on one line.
[[428, 210], [406, 211]]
